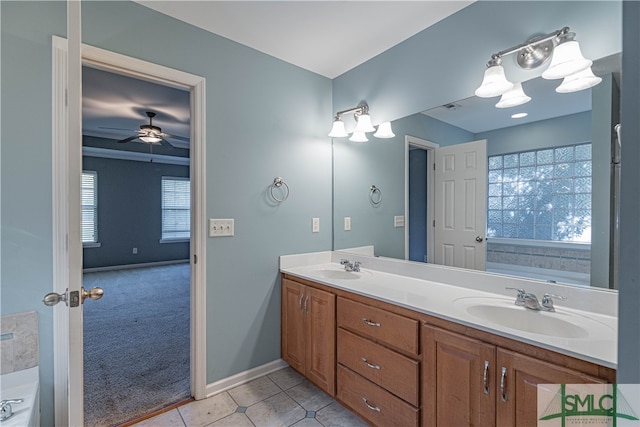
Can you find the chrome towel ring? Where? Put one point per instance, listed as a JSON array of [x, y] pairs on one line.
[[278, 183], [375, 195]]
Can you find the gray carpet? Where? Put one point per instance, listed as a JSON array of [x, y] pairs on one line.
[[136, 343]]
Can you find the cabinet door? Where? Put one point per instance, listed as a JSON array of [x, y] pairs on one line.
[[292, 325], [320, 307], [457, 389], [518, 406]]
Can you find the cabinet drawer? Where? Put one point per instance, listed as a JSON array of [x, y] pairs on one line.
[[373, 403], [395, 330], [393, 371]]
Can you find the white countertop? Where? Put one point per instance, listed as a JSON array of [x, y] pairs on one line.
[[450, 302]]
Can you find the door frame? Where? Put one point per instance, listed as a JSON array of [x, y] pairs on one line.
[[430, 148], [66, 258]]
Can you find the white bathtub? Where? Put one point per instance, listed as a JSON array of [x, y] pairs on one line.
[[24, 385]]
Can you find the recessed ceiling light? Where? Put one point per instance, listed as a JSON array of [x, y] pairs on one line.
[[519, 115]]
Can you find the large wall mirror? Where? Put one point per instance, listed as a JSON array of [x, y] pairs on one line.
[[550, 191]]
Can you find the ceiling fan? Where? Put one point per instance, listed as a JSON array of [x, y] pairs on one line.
[[150, 134]]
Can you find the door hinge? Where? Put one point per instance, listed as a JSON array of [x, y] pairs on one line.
[[195, 258], [434, 166], [434, 223]]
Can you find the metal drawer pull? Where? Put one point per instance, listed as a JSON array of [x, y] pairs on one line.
[[503, 386], [369, 364], [485, 379], [373, 408], [300, 303], [370, 323]]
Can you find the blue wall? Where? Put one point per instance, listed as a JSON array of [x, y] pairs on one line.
[[130, 213], [243, 295]]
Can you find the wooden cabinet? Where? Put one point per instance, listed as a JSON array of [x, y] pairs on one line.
[[309, 332], [376, 378], [469, 382], [517, 400], [457, 386]]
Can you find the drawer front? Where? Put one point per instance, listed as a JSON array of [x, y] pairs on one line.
[[373, 403], [395, 330], [390, 370]]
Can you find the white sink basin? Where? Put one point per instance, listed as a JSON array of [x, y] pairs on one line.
[[563, 323], [336, 274]]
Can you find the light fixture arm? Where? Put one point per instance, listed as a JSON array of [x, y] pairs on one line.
[[363, 108], [535, 51]]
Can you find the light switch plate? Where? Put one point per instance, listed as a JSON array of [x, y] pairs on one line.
[[315, 227], [347, 223], [398, 221], [221, 227]]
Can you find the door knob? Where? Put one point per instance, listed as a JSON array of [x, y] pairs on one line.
[[53, 298], [479, 239], [93, 294]]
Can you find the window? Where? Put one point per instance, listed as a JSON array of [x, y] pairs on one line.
[[541, 194], [89, 195], [176, 208]]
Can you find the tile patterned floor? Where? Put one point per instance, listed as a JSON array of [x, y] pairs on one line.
[[282, 398]]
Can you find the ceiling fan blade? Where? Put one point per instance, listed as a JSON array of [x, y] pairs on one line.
[[180, 138], [166, 143], [127, 130], [131, 138]]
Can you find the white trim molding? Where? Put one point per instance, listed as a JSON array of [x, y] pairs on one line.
[[133, 67], [105, 153], [244, 377]]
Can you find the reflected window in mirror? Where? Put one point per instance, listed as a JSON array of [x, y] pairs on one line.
[[541, 194]]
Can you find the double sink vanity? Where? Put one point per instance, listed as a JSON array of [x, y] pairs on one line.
[[411, 344]]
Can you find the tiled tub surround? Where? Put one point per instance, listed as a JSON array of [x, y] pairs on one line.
[[431, 289], [18, 342]]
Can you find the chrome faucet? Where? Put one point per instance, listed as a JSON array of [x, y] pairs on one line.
[[6, 411], [348, 266], [530, 301]]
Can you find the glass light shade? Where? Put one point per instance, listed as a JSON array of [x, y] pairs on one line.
[[513, 97], [567, 59], [384, 131], [579, 81], [358, 137], [151, 139], [494, 83], [338, 131], [364, 124]]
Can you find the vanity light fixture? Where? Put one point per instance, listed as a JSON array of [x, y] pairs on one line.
[[566, 60], [361, 115], [579, 81]]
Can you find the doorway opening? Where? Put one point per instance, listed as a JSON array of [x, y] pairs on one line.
[[136, 211]]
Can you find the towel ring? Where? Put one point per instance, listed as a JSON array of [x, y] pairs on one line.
[[278, 182], [375, 196]]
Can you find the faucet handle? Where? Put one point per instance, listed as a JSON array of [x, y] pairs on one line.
[[520, 296], [344, 261], [547, 301]]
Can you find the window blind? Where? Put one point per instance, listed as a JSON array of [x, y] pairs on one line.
[[176, 208]]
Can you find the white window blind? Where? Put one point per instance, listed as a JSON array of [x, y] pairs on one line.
[[89, 195], [176, 208]]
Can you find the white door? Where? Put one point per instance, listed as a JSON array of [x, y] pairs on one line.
[[461, 205]]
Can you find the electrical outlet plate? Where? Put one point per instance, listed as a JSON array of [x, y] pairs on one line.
[[347, 223], [221, 227], [315, 227], [398, 221]]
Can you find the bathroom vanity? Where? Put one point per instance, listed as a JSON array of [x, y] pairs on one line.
[[401, 350]]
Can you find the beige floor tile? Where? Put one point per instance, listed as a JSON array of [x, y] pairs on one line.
[[310, 397], [254, 391], [308, 422], [233, 420], [278, 410], [286, 378], [336, 415], [204, 412], [167, 419]]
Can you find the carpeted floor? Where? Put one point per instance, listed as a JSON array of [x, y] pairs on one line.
[[136, 343]]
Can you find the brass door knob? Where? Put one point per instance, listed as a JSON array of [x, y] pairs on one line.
[[93, 293]]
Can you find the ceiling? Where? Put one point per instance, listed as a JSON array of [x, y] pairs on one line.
[[325, 37]]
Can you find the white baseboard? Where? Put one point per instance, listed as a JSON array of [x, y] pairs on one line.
[[128, 266], [244, 377]]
